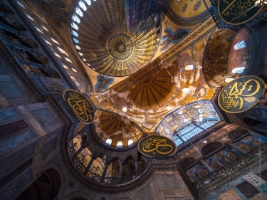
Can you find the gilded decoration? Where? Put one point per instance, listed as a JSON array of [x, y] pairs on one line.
[[237, 12], [157, 146], [108, 43], [109, 125], [80, 105], [241, 94]]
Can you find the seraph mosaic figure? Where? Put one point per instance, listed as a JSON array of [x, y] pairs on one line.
[[103, 83], [172, 37]]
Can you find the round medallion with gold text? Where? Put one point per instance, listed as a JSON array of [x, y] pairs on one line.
[[241, 94], [157, 146], [80, 105]]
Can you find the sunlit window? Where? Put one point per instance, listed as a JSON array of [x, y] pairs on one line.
[[189, 67], [228, 80], [30, 17], [65, 67], [49, 43], [76, 41], [68, 60], [78, 47], [189, 131], [130, 142], [88, 2], [75, 26], [108, 141], [240, 45], [80, 53], [62, 51], [57, 55], [76, 19], [119, 144], [40, 31], [74, 33], [74, 70], [20, 4], [238, 70], [55, 41], [84, 59], [79, 12], [44, 28], [186, 90], [82, 5], [124, 109]]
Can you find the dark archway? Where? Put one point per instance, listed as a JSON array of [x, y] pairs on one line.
[[45, 187]]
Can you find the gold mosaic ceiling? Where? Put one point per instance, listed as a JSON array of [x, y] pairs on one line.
[[105, 42]]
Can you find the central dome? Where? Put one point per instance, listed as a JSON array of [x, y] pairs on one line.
[[113, 41], [120, 46]]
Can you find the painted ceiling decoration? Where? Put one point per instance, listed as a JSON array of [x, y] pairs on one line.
[[116, 130], [188, 121], [114, 40], [172, 37]]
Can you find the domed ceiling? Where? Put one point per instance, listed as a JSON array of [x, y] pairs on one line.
[[112, 128], [111, 39]]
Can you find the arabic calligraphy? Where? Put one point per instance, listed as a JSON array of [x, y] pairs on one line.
[[241, 94], [157, 146], [80, 105], [237, 11]]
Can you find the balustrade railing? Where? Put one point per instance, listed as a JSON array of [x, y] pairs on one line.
[[232, 167], [107, 180]]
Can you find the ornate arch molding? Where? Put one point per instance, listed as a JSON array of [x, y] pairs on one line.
[[56, 167], [107, 188]]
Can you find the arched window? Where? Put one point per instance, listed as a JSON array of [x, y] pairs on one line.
[[189, 67], [76, 19], [108, 142], [130, 142], [88, 2], [119, 144], [228, 80], [79, 12], [238, 70], [82, 5], [240, 45], [74, 33]]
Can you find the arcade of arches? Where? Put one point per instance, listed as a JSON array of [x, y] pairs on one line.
[[148, 67]]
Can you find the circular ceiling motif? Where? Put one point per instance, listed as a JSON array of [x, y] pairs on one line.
[[111, 40], [120, 46]]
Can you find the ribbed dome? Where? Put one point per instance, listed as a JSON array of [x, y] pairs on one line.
[[111, 39]]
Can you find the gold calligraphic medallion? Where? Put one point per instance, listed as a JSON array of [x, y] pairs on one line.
[[157, 146], [241, 94], [81, 106], [237, 12]]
